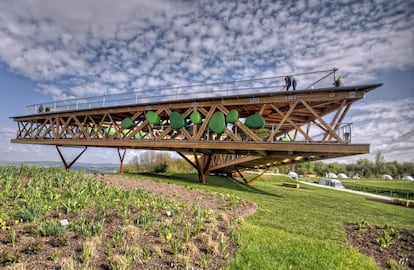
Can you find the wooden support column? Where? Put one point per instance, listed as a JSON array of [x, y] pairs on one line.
[[121, 158], [68, 166], [203, 165]]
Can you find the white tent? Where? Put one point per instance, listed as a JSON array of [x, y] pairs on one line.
[[331, 175], [342, 175], [386, 177], [407, 177], [293, 175]]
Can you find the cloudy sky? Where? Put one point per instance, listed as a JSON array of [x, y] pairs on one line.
[[55, 49]]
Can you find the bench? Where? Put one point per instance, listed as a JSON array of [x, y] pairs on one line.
[[291, 185]]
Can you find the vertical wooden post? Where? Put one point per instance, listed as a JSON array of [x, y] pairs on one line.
[[202, 166], [121, 159]]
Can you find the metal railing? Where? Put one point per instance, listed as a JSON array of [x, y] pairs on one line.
[[314, 79]]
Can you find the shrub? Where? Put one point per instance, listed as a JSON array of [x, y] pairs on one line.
[[118, 262], [33, 248], [385, 240], [51, 228], [30, 213], [8, 257]]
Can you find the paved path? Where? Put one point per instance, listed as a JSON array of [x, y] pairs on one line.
[[350, 191]]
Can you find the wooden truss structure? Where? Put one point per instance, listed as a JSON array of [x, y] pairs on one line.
[[299, 126]]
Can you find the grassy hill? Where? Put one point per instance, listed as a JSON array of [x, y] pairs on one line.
[[115, 228], [300, 228]]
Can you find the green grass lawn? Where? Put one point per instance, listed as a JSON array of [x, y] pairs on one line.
[[298, 228]]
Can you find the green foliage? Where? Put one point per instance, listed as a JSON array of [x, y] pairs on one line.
[[51, 228], [362, 225], [8, 257], [118, 238], [30, 212], [395, 188], [203, 261], [88, 227], [289, 230], [146, 251], [157, 162], [12, 236], [297, 228], [364, 168], [398, 265], [175, 245], [385, 240], [55, 255], [161, 167]]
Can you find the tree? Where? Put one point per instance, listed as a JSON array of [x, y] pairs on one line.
[[151, 161], [364, 168], [320, 168], [159, 162], [379, 164]]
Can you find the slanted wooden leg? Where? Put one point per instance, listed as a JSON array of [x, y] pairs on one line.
[[249, 182], [68, 166]]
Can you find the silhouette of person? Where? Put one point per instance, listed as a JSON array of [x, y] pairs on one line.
[[288, 81]]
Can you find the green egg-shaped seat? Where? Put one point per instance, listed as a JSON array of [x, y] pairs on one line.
[[127, 123], [217, 123], [176, 120], [139, 135], [232, 116], [152, 118], [196, 118], [255, 121], [110, 131]]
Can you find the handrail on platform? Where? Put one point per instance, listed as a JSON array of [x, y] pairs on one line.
[[191, 92]]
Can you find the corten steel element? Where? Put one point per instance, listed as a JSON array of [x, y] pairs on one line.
[[297, 126]]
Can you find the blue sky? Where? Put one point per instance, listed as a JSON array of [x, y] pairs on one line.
[[55, 49]]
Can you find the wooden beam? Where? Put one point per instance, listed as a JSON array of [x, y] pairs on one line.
[[327, 127], [285, 117], [206, 120], [68, 166]]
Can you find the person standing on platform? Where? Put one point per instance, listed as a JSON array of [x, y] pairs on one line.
[[288, 81], [338, 82]]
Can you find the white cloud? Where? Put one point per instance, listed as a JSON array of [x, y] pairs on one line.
[[387, 125], [81, 48]]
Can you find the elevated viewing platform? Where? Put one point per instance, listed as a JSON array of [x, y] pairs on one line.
[[220, 127]]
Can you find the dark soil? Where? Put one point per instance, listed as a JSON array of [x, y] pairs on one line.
[[397, 251]]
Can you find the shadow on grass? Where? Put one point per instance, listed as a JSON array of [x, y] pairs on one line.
[[212, 181]]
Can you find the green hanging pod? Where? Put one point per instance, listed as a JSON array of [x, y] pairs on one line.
[[255, 121], [153, 118], [176, 120], [127, 123], [196, 118], [232, 116], [217, 123]]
